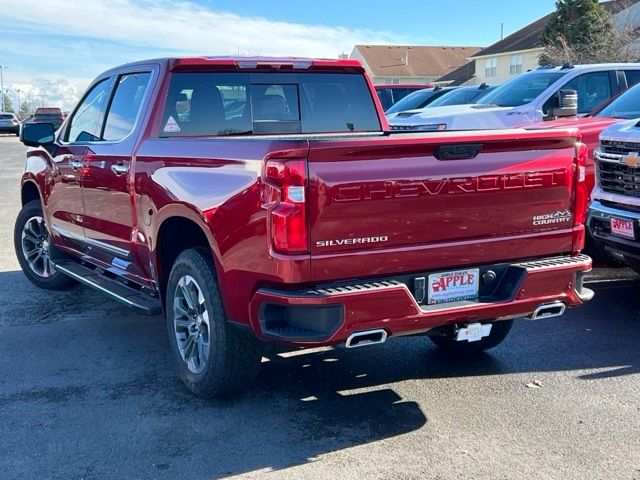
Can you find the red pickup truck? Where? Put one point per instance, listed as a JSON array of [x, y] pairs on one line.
[[258, 200]]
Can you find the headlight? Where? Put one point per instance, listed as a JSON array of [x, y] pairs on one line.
[[419, 128]]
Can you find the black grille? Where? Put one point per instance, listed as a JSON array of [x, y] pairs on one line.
[[619, 178], [619, 148]]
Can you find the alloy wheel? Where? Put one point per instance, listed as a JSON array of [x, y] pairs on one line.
[[191, 324], [36, 247]]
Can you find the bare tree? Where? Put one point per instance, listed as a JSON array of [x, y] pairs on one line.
[[582, 31]]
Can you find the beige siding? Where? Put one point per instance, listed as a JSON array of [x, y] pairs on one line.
[[529, 62]]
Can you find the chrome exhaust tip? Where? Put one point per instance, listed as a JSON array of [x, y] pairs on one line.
[[548, 310], [366, 337]]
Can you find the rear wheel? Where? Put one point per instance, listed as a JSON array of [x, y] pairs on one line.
[[213, 358], [33, 248], [448, 344]]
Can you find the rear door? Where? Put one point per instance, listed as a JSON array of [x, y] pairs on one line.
[[109, 220], [410, 203]]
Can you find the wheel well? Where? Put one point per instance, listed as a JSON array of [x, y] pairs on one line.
[[176, 235], [29, 193]]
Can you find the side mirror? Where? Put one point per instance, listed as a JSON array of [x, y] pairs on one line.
[[37, 134], [564, 104]]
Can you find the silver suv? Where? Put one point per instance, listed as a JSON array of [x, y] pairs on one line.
[[9, 123]]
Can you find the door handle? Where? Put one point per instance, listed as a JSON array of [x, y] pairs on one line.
[[76, 164], [119, 168]]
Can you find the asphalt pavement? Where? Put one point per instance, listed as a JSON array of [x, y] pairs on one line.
[[88, 391]]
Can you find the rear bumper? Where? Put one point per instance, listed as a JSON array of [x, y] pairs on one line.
[[10, 129], [328, 315], [599, 223]]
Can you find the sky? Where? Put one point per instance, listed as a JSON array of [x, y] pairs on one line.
[[56, 47]]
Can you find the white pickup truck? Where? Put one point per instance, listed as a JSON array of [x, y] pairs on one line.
[[528, 98], [614, 213]]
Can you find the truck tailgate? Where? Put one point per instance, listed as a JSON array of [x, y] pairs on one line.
[[406, 203]]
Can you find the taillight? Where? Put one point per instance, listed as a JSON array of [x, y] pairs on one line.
[[582, 195], [288, 215]]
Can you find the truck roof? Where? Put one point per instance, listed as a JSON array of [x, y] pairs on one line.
[[250, 62]]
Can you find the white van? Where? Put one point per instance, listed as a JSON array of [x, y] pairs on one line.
[[527, 98]]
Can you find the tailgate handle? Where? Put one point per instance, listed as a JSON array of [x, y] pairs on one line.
[[458, 152]]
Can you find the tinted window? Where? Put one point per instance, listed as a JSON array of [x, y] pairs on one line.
[[48, 111], [626, 105], [385, 97], [413, 101], [243, 103], [633, 77], [86, 121], [6, 117], [125, 105], [593, 89], [521, 90]]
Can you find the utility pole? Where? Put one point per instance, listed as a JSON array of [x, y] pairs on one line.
[[42, 97], [19, 104], [2, 85]]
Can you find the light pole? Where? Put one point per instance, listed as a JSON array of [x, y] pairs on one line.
[[2, 85]]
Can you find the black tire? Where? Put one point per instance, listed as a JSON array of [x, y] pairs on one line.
[[499, 332], [234, 356], [53, 280]]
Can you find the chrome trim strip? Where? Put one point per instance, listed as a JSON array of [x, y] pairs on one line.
[[120, 252], [598, 210], [607, 157]]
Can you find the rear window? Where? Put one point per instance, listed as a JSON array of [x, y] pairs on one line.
[[6, 117], [273, 103], [48, 111]]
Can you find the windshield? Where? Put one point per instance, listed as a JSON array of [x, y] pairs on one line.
[[415, 100], [521, 90], [463, 96], [626, 106]]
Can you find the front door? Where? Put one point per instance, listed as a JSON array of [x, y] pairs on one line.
[[64, 204]]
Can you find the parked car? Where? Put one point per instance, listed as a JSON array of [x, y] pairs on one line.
[[257, 226], [528, 98], [614, 213], [390, 94], [9, 123], [48, 115], [418, 99], [445, 97]]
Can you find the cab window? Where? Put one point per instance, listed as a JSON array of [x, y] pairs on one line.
[[86, 122], [593, 89], [125, 105]]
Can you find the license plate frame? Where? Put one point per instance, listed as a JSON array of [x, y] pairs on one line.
[[622, 227], [453, 286]]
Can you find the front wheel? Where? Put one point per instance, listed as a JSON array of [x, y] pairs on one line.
[[33, 248], [448, 344], [213, 358]]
